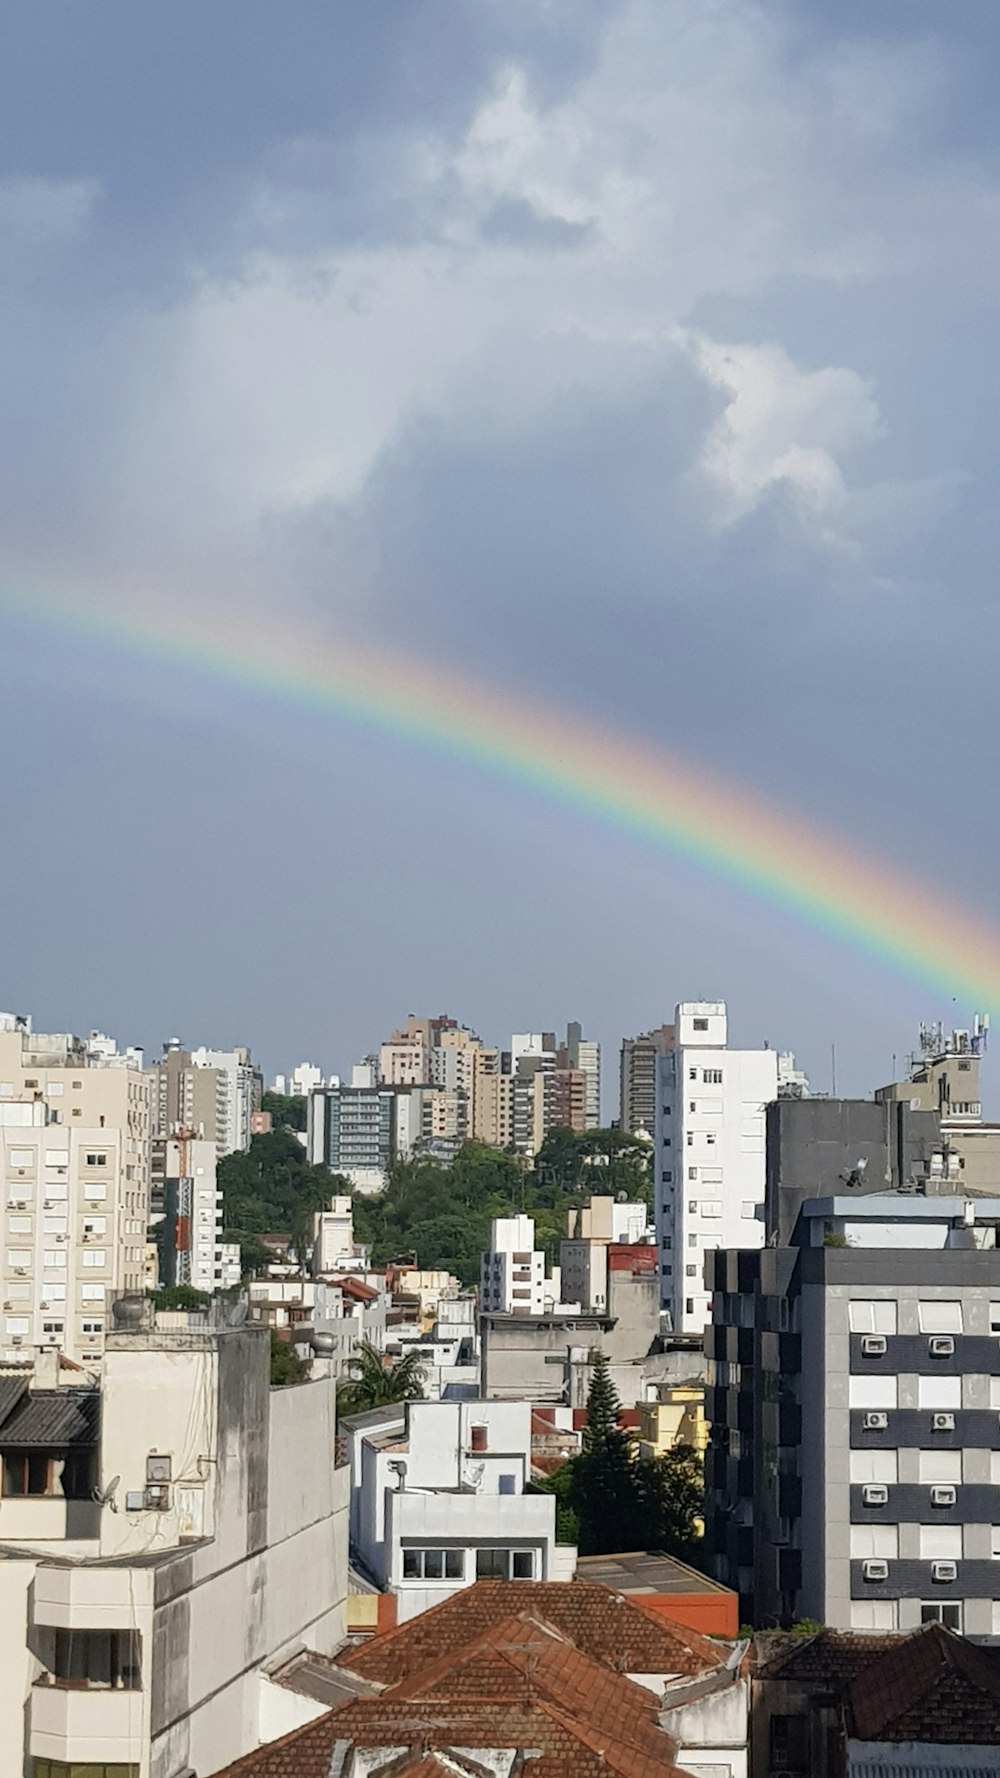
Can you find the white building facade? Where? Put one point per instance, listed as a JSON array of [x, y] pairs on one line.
[[438, 1501], [709, 1154], [513, 1271]]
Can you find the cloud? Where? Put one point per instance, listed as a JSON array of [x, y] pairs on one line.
[[781, 427], [43, 212]]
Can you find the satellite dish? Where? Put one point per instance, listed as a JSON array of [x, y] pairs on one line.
[[106, 1496]]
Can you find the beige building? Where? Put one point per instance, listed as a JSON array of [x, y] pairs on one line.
[[207, 1093], [944, 1077], [74, 1158]]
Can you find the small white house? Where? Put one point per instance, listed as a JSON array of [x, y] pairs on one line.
[[438, 1500]]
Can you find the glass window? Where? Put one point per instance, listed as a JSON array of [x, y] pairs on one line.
[[995, 1544], [995, 1318], [874, 1540], [939, 1611], [940, 1542], [940, 1466], [492, 1564], [867, 1317], [940, 1317], [100, 1660], [28, 1472], [522, 1566], [873, 1392], [939, 1392]]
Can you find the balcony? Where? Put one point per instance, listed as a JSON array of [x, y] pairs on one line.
[[80, 1726]]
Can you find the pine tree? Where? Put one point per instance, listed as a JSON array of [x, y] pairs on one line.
[[607, 1493]]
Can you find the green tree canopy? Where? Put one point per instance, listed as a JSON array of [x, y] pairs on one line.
[[373, 1383], [286, 1365]]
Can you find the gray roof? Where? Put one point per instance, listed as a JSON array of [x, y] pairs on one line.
[[53, 1418], [11, 1391]]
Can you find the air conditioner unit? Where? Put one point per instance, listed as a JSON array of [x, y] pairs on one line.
[[941, 1346], [875, 1569], [60, 1237], [15, 1339], [876, 1421], [875, 1494], [943, 1495], [874, 1346], [944, 1571], [942, 1422]]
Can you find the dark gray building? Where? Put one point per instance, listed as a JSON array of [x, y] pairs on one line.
[[637, 1092], [820, 1147], [853, 1471]]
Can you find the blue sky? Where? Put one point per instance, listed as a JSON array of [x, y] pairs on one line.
[[636, 354]]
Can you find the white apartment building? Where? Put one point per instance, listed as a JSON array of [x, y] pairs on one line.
[[240, 1092], [512, 1277], [157, 1533], [709, 1154], [74, 1167], [438, 1501], [300, 1083]]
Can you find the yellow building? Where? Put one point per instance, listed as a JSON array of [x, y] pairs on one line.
[[678, 1418]]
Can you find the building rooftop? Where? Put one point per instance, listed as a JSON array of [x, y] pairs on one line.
[[603, 1624], [646, 1571], [932, 1686], [46, 1418]]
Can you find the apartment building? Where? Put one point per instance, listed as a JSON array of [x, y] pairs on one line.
[[512, 1280], [709, 1151], [854, 1462], [74, 1154], [211, 1093], [438, 1500], [584, 1254], [583, 1055], [637, 1078], [185, 1182], [156, 1531], [352, 1129]]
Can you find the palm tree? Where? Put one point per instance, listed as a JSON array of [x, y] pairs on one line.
[[375, 1384]]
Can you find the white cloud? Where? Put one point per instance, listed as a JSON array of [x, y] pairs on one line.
[[46, 211], [699, 164], [781, 427]]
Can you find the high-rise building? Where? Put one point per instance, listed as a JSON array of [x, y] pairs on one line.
[[637, 1089], [352, 1129], [585, 1055], [210, 1093], [709, 1154], [184, 1171], [513, 1271], [853, 1469], [74, 1153]]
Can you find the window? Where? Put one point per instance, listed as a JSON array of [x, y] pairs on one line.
[[19, 1225], [712, 1077], [711, 1207], [507, 1484], [97, 1160], [692, 1075], [995, 1392], [789, 1740], [95, 1256], [92, 1293], [995, 1542], [937, 1611], [54, 1259], [873, 1392], [700, 1024], [92, 1327], [692, 1206], [692, 1172], [692, 1240], [97, 1660], [866, 1317], [995, 1318], [689, 1310], [17, 1324], [939, 1392], [505, 1564], [433, 1564], [940, 1466], [874, 1540], [874, 1614], [874, 1466], [39, 1473], [940, 1541], [940, 1317], [690, 1140], [25, 1157], [748, 1208], [668, 1178]]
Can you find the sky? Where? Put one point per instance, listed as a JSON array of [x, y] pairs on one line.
[[636, 356]]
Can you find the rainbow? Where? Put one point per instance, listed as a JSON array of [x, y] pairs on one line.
[[644, 791]]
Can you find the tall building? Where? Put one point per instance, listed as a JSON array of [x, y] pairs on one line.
[[709, 1154], [300, 1083], [352, 1129], [584, 1055], [184, 1169], [584, 1254], [74, 1152], [853, 1471], [513, 1271], [210, 1093], [637, 1086]]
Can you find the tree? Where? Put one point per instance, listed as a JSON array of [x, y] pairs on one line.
[[288, 1110], [607, 1492], [180, 1296], [286, 1365], [560, 1483], [676, 1490], [375, 1384]]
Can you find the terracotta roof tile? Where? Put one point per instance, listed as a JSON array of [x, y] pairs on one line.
[[831, 1656], [606, 1626], [931, 1686]]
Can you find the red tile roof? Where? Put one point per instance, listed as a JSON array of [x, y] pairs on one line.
[[607, 1626], [932, 1686]]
